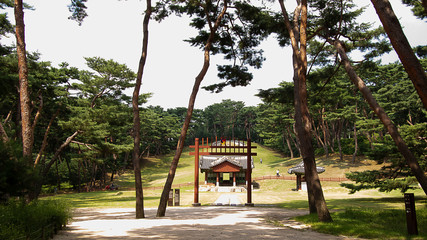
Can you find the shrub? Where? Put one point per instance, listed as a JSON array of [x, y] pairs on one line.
[[34, 220]]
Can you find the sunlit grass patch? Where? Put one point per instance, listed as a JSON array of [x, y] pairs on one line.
[[369, 223]]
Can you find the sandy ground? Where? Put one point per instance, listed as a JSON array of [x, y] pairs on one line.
[[212, 222]]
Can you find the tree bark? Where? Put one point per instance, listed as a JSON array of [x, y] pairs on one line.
[[339, 130], [402, 47], [136, 120], [316, 198], [23, 81], [161, 211], [325, 132], [356, 143], [379, 111], [288, 143]]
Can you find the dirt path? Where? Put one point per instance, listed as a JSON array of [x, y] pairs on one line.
[[187, 223]]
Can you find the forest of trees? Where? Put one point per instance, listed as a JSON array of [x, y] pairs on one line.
[[77, 127], [92, 103]]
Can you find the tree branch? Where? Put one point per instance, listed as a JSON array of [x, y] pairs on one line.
[[44, 143], [3, 133], [36, 118], [55, 156], [85, 144]]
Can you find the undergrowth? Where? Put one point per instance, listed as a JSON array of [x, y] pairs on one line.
[[36, 220]]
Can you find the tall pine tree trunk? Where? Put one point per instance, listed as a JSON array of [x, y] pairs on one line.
[[339, 130], [325, 133], [136, 120], [288, 143], [161, 210], [379, 111], [402, 47], [23, 81], [356, 143], [316, 198]]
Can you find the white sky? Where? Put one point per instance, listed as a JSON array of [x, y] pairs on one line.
[[113, 30]]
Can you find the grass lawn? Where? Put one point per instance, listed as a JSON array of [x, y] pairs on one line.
[[370, 223], [367, 214]]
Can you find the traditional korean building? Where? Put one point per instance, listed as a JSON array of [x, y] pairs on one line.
[[224, 170], [299, 171]]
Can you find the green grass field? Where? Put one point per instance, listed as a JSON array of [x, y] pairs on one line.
[[273, 192]]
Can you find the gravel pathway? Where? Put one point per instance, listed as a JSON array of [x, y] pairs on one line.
[[212, 222], [228, 199]]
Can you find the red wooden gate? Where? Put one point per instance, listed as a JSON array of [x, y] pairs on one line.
[[223, 147]]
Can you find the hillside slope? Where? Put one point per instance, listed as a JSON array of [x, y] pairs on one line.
[[155, 170]]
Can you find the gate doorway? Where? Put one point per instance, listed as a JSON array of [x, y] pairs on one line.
[[224, 162]]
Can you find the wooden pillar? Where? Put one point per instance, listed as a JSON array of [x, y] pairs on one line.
[[248, 175], [298, 182], [217, 179], [234, 179], [206, 178], [196, 173]]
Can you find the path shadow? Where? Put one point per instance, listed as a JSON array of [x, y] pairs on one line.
[[188, 223]]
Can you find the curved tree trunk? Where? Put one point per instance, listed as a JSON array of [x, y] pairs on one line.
[[379, 111], [402, 47], [136, 120], [161, 210]]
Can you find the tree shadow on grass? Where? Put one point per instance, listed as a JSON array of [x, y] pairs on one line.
[[283, 162], [82, 201], [362, 203], [334, 161]]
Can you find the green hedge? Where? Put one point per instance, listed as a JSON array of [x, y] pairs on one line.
[[36, 220]]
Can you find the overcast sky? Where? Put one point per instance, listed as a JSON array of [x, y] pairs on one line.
[[113, 30]]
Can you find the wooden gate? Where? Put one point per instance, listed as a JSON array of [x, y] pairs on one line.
[[223, 147]]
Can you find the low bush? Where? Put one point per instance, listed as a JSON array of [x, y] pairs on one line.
[[36, 220]]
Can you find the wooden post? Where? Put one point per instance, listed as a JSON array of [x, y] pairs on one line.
[[170, 199], [248, 174], [234, 179], [298, 182], [217, 179], [411, 217], [196, 174], [176, 202]]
